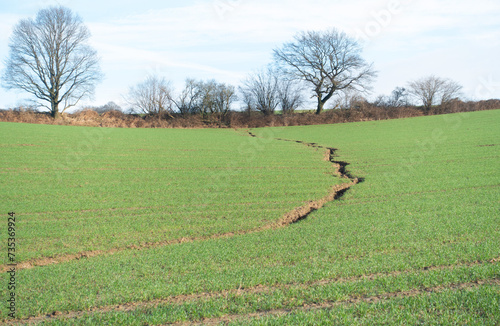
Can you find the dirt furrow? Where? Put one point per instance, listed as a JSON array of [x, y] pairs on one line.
[[349, 301], [259, 289], [291, 217]]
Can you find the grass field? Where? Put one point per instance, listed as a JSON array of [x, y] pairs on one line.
[[88, 189], [150, 227]]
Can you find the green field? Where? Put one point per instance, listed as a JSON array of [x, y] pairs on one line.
[[159, 226]]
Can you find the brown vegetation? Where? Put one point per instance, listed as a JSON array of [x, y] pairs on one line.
[[361, 112]]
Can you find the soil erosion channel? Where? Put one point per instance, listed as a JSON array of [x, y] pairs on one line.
[[293, 216]]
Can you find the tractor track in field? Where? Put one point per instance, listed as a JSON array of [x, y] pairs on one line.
[[293, 216], [261, 289], [350, 301]]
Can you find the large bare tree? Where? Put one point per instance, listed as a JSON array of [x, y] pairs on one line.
[[50, 58], [434, 90], [329, 61]]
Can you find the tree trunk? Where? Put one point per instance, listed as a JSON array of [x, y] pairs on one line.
[[319, 109], [54, 110]]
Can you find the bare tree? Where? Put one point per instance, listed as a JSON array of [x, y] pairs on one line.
[[432, 90], [289, 95], [399, 97], [215, 97], [224, 97], [426, 90], [50, 58], [248, 99], [205, 97], [330, 61], [451, 91], [207, 92], [349, 99], [260, 91], [151, 96], [188, 100]]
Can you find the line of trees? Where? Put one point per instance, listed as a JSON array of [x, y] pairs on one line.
[[155, 96], [269, 90], [50, 58]]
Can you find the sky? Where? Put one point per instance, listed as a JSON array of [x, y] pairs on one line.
[[226, 40]]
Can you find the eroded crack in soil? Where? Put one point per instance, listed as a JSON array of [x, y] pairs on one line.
[[335, 193], [291, 217]]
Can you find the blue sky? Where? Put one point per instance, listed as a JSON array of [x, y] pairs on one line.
[[227, 39]]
